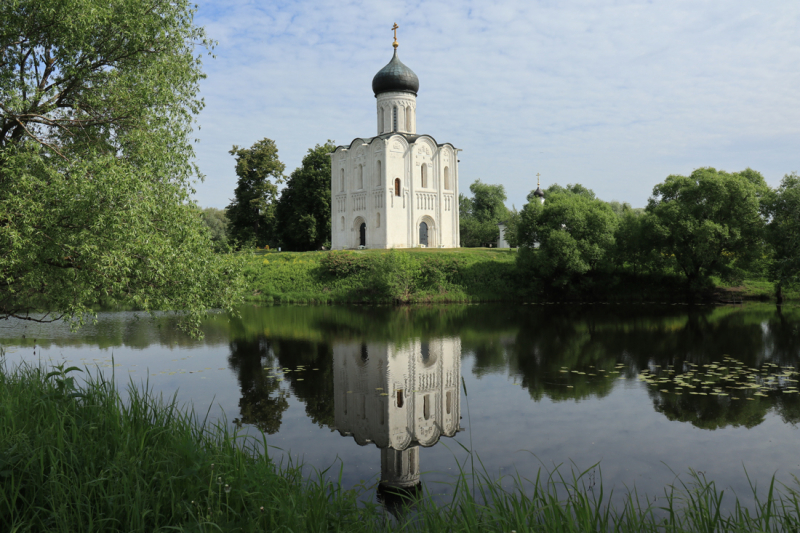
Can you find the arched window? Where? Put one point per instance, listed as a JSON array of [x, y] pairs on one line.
[[380, 177], [397, 187], [342, 180], [424, 174], [342, 228], [380, 120], [378, 225], [360, 177], [447, 178], [394, 119], [408, 119]]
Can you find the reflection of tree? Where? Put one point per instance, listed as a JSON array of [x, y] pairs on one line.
[[263, 400], [316, 388], [557, 355], [711, 412], [262, 403]]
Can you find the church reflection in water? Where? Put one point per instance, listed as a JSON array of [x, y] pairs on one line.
[[399, 398]]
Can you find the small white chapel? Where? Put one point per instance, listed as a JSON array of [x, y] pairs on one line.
[[397, 189]]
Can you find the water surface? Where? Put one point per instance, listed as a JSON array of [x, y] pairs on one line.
[[647, 392]]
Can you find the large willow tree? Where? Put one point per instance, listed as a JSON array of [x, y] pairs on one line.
[[97, 103]]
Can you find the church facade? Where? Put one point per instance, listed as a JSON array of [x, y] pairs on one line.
[[397, 189]]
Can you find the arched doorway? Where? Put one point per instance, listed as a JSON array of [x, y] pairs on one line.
[[423, 233], [362, 234]]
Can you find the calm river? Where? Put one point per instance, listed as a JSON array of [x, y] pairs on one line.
[[645, 392]]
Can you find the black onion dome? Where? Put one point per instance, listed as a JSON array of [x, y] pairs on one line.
[[538, 193], [395, 77]]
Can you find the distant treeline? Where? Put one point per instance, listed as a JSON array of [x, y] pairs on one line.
[[711, 224]]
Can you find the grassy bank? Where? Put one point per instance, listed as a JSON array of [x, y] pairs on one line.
[[383, 276], [457, 275], [76, 458]]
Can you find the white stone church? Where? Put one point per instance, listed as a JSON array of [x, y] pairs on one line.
[[397, 189]]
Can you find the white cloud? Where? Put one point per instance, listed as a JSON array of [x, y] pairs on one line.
[[613, 95]]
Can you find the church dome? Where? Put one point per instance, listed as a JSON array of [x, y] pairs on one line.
[[395, 77], [538, 193]]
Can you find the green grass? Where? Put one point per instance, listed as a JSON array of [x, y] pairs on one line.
[[752, 289], [75, 457], [466, 275], [436, 275]]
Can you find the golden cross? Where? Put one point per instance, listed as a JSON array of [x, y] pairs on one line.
[[537, 180], [394, 28]]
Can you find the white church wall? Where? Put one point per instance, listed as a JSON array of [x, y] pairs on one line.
[[397, 209]]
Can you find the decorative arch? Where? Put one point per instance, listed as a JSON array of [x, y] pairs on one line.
[[447, 178], [378, 169], [424, 175], [342, 185], [433, 234], [380, 120], [378, 223], [360, 177], [342, 225], [408, 118], [359, 229]]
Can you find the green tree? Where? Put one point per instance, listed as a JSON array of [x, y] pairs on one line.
[[478, 222], [710, 221], [303, 212], [97, 103], [252, 211], [783, 233], [575, 234], [570, 189], [634, 239], [217, 224]]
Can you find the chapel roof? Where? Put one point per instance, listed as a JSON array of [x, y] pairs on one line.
[[395, 77], [411, 138]]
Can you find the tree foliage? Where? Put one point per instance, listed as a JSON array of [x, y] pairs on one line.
[[480, 214], [217, 224], [303, 212], [710, 221], [783, 233], [252, 210], [97, 102], [575, 233]]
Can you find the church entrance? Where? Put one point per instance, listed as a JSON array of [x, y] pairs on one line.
[[362, 234], [423, 234]]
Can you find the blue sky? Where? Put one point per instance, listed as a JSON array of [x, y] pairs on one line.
[[615, 95]]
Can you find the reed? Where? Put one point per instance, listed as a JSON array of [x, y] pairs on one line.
[[74, 457]]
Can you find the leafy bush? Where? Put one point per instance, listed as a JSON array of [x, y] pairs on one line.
[[396, 276], [343, 264]]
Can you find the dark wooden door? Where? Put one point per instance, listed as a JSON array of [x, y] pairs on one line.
[[423, 233], [362, 234]]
